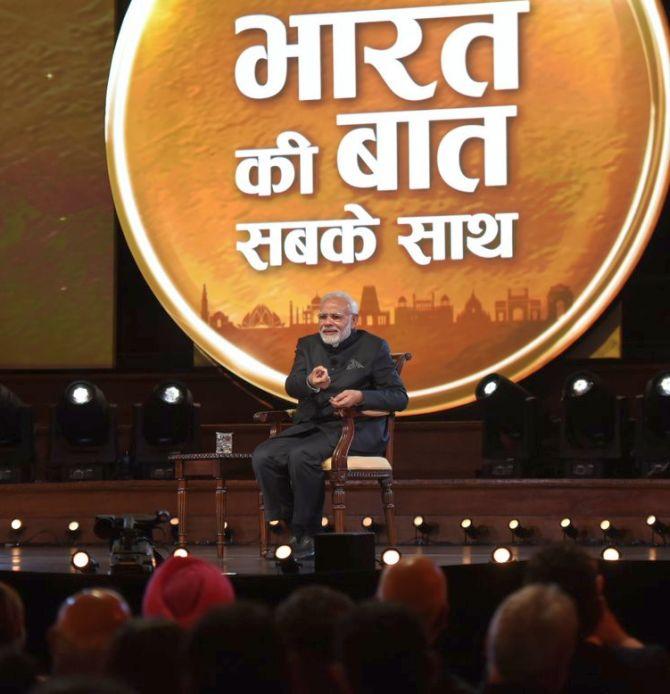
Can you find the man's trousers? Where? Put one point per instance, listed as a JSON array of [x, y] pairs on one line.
[[289, 472]]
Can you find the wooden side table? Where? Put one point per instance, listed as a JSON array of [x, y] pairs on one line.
[[189, 466]]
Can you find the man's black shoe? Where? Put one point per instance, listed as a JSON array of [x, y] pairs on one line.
[[304, 548]]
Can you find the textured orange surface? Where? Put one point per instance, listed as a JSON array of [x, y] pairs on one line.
[[575, 156]]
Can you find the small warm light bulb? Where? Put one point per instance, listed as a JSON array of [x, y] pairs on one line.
[[501, 555], [513, 524], [611, 554], [81, 559], [16, 524], [605, 525], [174, 521], [566, 523], [367, 522], [391, 556], [651, 520], [418, 520], [275, 523], [73, 526], [283, 552], [325, 522], [466, 523], [180, 552]]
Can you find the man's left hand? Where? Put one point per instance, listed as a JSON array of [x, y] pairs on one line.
[[347, 398]]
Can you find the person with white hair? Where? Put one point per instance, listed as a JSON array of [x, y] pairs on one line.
[[338, 367], [531, 640]]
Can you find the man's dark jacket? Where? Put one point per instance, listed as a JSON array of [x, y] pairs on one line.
[[361, 362]]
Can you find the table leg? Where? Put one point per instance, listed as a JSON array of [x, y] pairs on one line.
[[220, 517], [181, 510]]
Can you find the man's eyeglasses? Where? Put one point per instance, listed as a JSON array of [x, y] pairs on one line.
[[337, 317]]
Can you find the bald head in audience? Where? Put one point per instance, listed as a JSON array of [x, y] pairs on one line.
[[531, 639], [86, 624], [421, 586]]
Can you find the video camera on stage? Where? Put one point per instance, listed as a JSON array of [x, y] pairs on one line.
[[130, 541]]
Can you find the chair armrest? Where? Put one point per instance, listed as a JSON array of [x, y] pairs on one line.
[[272, 416], [275, 418]]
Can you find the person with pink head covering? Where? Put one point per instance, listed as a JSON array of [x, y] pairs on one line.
[[183, 589]]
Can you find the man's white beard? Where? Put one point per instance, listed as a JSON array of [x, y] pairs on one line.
[[334, 339]]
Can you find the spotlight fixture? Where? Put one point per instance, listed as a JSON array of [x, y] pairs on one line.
[[652, 430], [326, 525], [422, 530], [285, 560], [174, 529], [275, 526], [83, 562], [391, 556], [592, 422], [610, 553], [180, 552], [227, 533], [16, 530], [501, 555], [519, 532], [610, 532], [167, 422], [83, 441], [658, 528], [17, 438], [471, 532], [73, 530], [510, 427], [369, 524], [568, 528]]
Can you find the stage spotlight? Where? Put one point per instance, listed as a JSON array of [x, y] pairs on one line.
[[326, 525], [83, 444], [592, 422], [471, 532], [227, 533], [83, 562], [174, 529], [422, 530], [390, 556], [501, 555], [569, 530], [17, 439], [652, 431], [275, 527], [285, 560], [180, 552], [369, 524], [167, 422], [658, 528], [610, 553], [510, 427], [73, 530], [519, 532], [16, 530], [610, 532]]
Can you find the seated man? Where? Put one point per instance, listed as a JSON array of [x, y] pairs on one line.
[[338, 367]]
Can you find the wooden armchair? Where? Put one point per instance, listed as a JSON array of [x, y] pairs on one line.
[[341, 467]]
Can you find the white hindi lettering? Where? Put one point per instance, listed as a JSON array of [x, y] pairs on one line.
[[383, 166], [264, 161], [344, 241], [446, 236], [388, 62]]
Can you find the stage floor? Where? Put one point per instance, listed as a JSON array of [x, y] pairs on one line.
[[245, 560]]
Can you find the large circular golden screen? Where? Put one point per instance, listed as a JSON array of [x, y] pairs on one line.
[[480, 176]]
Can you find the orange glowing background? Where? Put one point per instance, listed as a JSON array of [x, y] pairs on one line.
[[588, 115]]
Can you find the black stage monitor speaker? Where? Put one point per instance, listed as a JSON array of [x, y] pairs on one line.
[[344, 552]]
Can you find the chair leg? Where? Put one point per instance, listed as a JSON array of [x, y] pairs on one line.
[[339, 506], [262, 526], [386, 484], [220, 518], [181, 510]]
